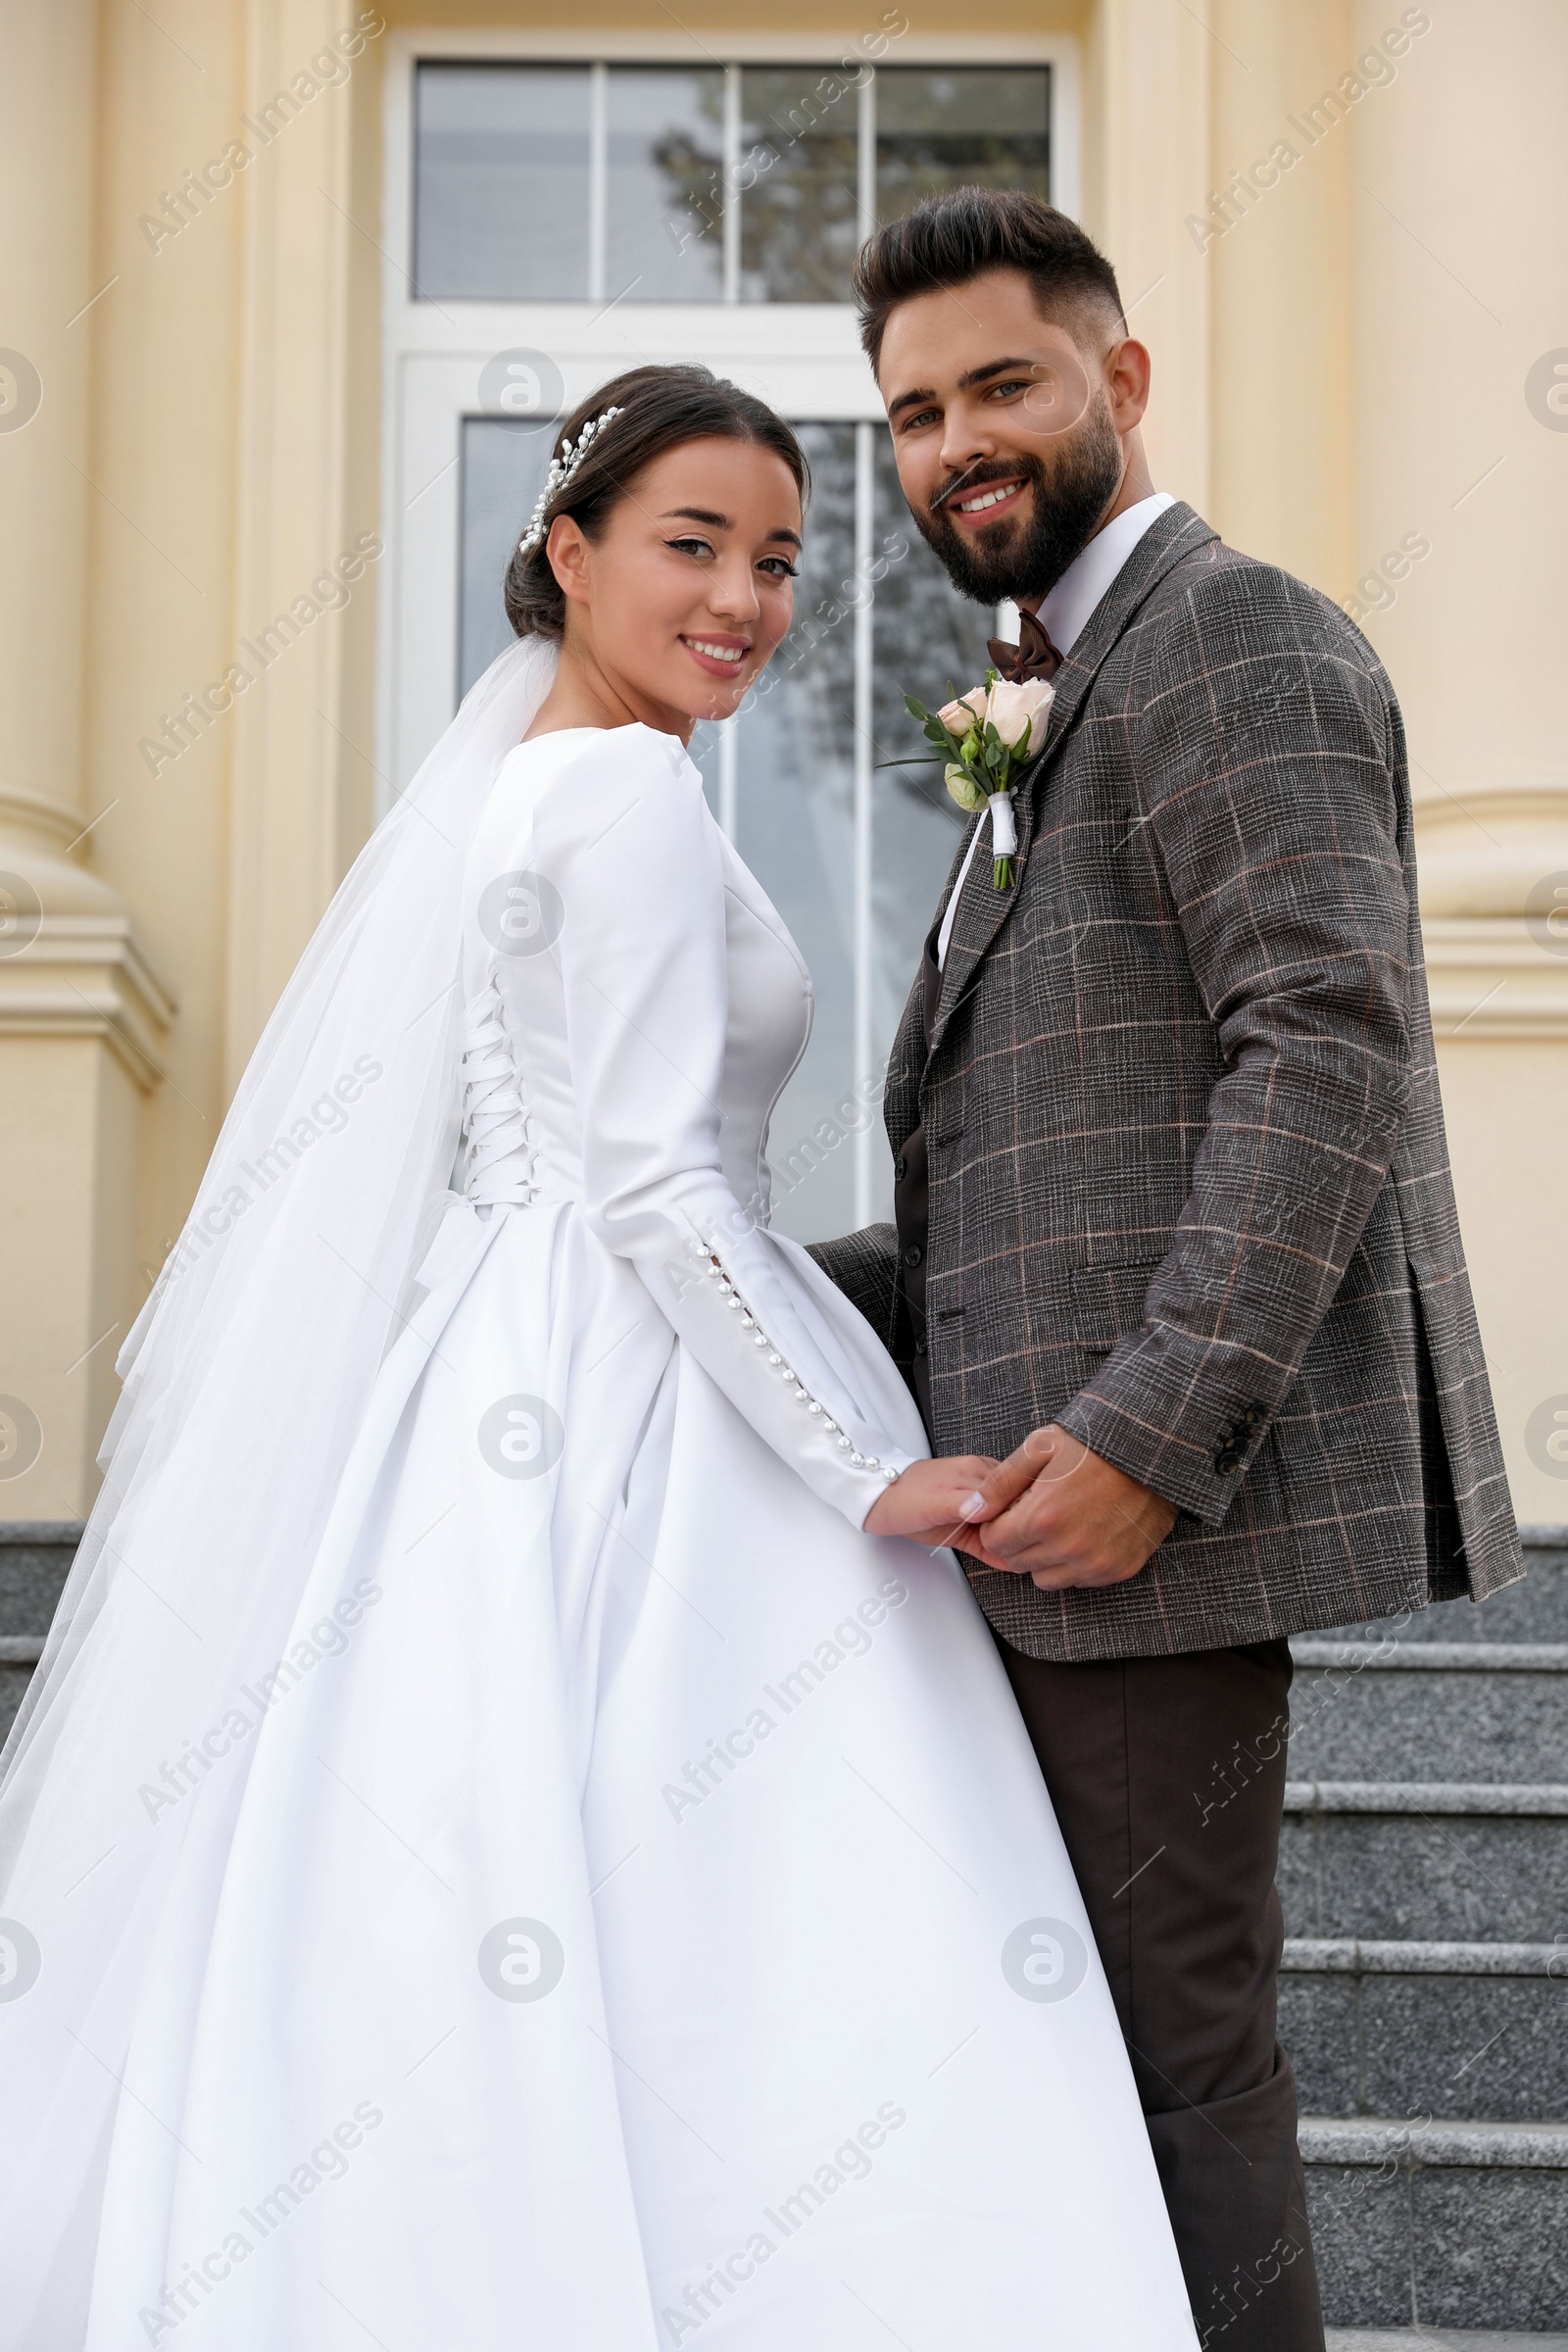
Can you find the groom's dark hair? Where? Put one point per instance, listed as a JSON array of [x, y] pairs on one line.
[[951, 239]]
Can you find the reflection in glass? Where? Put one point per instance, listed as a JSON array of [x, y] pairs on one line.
[[926, 637], [500, 182], [796, 178], [504, 465], [942, 127], [665, 233], [796, 830]]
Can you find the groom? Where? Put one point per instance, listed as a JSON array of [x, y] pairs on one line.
[[1175, 1231]]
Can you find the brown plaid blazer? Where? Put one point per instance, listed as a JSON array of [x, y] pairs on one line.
[[1189, 1184]]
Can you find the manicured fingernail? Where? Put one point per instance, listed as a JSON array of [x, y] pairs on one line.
[[973, 1505]]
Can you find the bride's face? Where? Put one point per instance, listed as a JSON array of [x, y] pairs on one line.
[[684, 598]]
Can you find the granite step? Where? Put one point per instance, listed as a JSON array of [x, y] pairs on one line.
[[1443, 2030], [1433, 2225], [1416, 1710], [35, 1556], [1535, 1609], [1451, 1861], [19, 1654], [1441, 2339]]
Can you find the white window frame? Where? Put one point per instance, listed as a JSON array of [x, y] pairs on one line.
[[802, 357]]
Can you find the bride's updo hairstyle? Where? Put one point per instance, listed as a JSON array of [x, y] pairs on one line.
[[660, 408]]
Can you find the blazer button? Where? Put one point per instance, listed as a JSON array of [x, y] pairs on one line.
[[913, 1255], [1228, 1458], [900, 1169], [919, 1344]]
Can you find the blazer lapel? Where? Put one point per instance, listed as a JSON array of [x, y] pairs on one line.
[[982, 911]]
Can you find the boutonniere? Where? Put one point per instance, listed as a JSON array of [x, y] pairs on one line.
[[983, 740]]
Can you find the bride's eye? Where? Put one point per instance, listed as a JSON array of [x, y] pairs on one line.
[[780, 567], [691, 547]]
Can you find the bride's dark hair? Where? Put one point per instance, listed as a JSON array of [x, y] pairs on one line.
[[661, 409]]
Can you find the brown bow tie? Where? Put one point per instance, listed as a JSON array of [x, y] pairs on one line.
[[1033, 656]]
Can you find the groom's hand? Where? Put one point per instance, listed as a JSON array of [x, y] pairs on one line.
[[1064, 1516]]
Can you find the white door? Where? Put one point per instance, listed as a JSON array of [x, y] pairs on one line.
[[560, 208]]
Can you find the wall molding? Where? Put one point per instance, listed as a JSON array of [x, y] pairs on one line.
[[1489, 978], [86, 975]]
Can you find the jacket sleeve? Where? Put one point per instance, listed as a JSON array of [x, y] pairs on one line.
[[628, 842], [865, 1267], [1265, 754]]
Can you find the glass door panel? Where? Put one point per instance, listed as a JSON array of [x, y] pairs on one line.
[[924, 636], [795, 828], [505, 460]]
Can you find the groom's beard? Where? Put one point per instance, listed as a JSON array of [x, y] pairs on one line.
[[1009, 559]]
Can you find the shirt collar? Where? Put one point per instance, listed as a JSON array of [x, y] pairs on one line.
[[1064, 613]]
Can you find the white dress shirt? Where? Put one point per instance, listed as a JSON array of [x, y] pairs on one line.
[[1064, 616]]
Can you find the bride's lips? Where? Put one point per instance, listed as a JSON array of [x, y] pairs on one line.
[[726, 662], [1002, 497]]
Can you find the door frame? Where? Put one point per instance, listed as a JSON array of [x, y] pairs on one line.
[[802, 357]]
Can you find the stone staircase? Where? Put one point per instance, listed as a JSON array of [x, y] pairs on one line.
[[35, 1556], [1424, 1997]]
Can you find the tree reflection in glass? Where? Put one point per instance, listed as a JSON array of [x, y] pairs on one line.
[[663, 201], [942, 127], [794, 761], [796, 178], [924, 637]]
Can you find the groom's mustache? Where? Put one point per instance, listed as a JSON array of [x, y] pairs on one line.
[[983, 470]]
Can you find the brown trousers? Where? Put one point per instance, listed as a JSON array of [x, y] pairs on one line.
[[1168, 1780]]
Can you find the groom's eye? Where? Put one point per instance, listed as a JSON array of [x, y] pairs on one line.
[[1013, 384]]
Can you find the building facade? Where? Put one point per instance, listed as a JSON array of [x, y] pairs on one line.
[[294, 292]]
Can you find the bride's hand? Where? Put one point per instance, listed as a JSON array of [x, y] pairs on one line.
[[933, 1502]]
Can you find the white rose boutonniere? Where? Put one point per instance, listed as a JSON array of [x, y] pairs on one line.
[[983, 740]]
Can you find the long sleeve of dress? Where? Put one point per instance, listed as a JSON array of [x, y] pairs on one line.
[[624, 836]]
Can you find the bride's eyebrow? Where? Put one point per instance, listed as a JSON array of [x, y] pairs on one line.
[[719, 523]]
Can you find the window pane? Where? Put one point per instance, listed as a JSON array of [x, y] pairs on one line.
[[951, 126], [664, 230], [500, 182], [796, 175], [503, 465], [796, 831], [925, 634]]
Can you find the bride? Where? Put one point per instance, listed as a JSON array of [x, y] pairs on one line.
[[520, 1833]]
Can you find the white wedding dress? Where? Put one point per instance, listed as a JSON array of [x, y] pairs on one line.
[[633, 1917]]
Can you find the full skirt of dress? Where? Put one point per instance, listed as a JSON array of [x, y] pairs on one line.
[[635, 1919]]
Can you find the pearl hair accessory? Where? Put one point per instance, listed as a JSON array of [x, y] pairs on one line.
[[560, 471]]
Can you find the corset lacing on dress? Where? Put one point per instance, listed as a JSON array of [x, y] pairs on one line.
[[497, 1159]]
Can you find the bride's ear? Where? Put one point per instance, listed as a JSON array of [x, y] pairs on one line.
[[567, 549]]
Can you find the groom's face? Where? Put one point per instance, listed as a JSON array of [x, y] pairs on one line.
[[1009, 428]]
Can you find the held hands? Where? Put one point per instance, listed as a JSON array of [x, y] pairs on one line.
[[932, 1503], [1061, 1515]]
